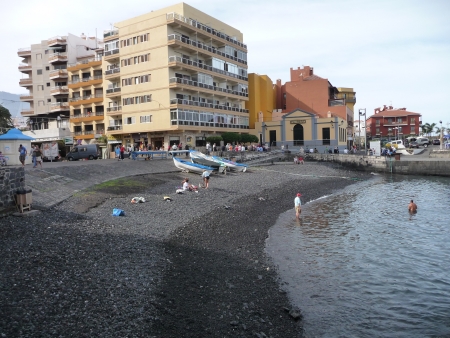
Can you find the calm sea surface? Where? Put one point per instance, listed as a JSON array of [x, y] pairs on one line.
[[359, 265]]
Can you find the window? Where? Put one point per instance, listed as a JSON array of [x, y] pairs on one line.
[[47, 68], [129, 120], [146, 119], [40, 87], [48, 84], [39, 72], [41, 103], [377, 131], [413, 120], [146, 98], [38, 56], [399, 120], [144, 37], [49, 100], [413, 129], [127, 82], [377, 122]]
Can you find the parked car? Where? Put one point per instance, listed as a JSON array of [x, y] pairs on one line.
[[88, 151], [436, 142], [414, 144], [423, 141]]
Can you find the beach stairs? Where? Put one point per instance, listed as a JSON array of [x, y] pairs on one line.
[[253, 157]]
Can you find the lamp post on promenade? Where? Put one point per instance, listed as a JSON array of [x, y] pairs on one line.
[[442, 136], [365, 127]]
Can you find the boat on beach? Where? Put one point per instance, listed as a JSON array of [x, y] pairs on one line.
[[232, 165], [200, 158], [187, 166]]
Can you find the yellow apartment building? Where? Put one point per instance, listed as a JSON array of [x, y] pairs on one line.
[[262, 99], [175, 75]]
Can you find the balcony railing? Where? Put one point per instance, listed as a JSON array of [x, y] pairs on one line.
[[113, 90], [57, 57], [57, 40], [112, 71], [86, 97], [83, 132], [85, 62], [25, 82], [112, 52], [205, 86], [207, 105], [24, 51], [26, 97], [119, 127], [113, 109], [24, 67], [336, 102], [110, 33], [27, 112], [59, 106], [58, 73], [201, 45], [81, 115], [59, 90], [196, 24], [205, 67], [395, 123]]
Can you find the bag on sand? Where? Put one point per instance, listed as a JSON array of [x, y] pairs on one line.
[[118, 212]]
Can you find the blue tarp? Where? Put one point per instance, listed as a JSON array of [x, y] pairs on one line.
[[15, 134]]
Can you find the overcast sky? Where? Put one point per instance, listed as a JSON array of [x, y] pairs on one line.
[[393, 52]]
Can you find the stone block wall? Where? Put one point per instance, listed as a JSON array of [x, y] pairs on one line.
[[11, 180]]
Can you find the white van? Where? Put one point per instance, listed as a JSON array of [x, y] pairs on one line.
[[87, 151]]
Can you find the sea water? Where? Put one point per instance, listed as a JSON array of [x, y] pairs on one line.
[[358, 264]]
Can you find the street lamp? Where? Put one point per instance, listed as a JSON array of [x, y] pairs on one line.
[[365, 131], [442, 136], [396, 131]]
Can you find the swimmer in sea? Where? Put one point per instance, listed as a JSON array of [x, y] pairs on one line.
[[412, 207]]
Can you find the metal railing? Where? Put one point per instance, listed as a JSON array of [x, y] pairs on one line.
[[118, 127], [205, 67], [113, 109], [112, 71], [113, 90], [196, 24], [203, 46], [205, 86], [81, 115], [113, 32], [112, 52], [207, 105]]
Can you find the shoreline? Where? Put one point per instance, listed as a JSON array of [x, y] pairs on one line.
[[193, 266]]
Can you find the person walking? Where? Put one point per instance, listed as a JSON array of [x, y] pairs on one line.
[[38, 156], [117, 151], [33, 155], [298, 206], [22, 154], [122, 152], [205, 177]]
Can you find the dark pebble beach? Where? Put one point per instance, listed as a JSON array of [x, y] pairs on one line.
[[192, 266]]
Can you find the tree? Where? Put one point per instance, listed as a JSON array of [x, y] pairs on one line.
[[248, 138], [5, 120], [214, 139], [231, 137]]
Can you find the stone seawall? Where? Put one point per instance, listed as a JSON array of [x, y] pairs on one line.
[[387, 165], [11, 180]]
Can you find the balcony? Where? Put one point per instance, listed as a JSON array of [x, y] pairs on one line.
[[395, 123], [111, 54], [200, 28], [27, 112], [87, 99], [84, 64], [113, 92], [114, 128], [58, 74], [350, 100], [60, 90], [59, 106], [50, 134], [87, 117], [25, 68], [26, 97], [175, 39], [220, 107], [57, 57], [110, 35], [336, 102], [112, 73], [57, 41], [84, 135], [176, 82], [178, 61], [26, 82], [24, 52], [114, 110], [86, 81]]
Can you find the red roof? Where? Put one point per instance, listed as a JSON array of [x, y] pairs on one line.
[[394, 113]]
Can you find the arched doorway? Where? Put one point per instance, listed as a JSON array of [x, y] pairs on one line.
[[298, 135]]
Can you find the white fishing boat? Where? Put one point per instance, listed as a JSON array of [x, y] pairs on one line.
[[232, 165], [187, 166], [200, 158]]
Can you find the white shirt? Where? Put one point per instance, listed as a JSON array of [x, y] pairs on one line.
[[185, 186], [297, 201]]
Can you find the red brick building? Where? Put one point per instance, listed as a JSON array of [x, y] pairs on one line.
[[311, 93], [389, 122]]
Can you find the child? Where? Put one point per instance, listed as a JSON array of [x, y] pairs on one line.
[[300, 160]]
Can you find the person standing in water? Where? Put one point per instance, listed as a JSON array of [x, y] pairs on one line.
[[298, 206], [412, 207]]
